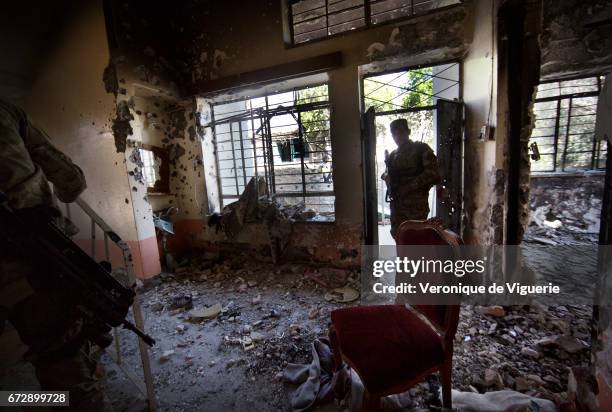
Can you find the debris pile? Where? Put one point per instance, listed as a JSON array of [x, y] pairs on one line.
[[564, 216], [530, 349], [231, 327], [256, 207]]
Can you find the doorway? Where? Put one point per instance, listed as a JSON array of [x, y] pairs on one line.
[[428, 98]]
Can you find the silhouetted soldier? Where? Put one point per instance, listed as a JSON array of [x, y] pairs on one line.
[[412, 170]]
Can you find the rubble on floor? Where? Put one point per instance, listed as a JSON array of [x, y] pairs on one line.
[[564, 224], [256, 207], [227, 330]]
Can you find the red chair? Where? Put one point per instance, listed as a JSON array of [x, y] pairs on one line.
[[391, 347]]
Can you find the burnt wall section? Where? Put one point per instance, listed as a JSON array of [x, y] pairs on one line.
[[144, 36], [227, 38], [576, 38], [443, 33]]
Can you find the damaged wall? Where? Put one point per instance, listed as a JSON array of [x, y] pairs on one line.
[[141, 75], [483, 167], [576, 38], [226, 45], [69, 101]]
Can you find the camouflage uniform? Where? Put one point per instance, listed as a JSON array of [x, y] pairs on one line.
[[37, 307], [413, 170]]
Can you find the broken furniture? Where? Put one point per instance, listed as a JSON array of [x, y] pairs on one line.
[[392, 347]]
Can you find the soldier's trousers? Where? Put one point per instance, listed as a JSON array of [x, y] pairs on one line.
[[400, 214], [49, 329]]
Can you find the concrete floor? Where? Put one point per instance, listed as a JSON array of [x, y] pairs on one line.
[[201, 365]]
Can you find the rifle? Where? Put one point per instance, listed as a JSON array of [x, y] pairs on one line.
[[99, 296], [387, 178]]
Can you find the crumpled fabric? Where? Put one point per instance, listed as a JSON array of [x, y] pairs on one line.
[[317, 381], [500, 401]]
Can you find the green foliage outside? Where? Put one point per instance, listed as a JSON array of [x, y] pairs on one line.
[[415, 92], [315, 123], [420, 84]]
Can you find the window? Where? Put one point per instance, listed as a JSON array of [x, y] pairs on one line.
[[411, 89], [563, 137], [291, 150], [382, 11], [155, 168], [283, 137], [316, 19]]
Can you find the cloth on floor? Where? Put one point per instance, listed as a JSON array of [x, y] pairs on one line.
[[318, 383], [500, 401], [392, 403]]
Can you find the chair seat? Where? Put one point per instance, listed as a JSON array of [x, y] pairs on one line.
[[387, 345]]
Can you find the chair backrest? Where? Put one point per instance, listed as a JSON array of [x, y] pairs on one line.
[[431, 232]]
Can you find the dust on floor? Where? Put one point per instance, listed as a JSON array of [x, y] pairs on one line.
[[270, 316]]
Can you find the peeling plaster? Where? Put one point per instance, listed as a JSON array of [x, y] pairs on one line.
[[121, 126]]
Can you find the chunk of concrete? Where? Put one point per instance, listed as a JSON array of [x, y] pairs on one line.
[[206, 313], [499, 401]]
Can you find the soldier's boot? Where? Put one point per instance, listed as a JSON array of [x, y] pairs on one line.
[[75, 373]]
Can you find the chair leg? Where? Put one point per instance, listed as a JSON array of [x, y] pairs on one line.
[[371, 403], [335, 347], [445, 376]]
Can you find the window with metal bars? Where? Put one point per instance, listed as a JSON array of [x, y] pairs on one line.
[[563, 137], [283, 137], [317, 19]]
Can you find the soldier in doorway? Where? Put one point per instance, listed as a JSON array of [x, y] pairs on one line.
[[412, 170]]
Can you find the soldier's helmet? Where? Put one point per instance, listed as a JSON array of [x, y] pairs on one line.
[[399, 124]]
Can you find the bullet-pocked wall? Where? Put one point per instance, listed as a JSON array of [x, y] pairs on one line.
[[68, 100], [140, 75], [233, 37]]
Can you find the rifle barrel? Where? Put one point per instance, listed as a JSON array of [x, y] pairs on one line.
[[146, 338]]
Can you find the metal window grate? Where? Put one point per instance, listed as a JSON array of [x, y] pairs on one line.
[[383, 11], [316, 19], [564, 127], [283, 137], [420, 89]]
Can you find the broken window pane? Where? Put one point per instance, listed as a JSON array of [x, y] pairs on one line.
[[284, 138]]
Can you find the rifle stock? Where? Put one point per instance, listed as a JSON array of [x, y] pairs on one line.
[[93, 287]]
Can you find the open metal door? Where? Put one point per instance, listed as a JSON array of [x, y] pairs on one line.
[[450, 157], [368, 162]]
